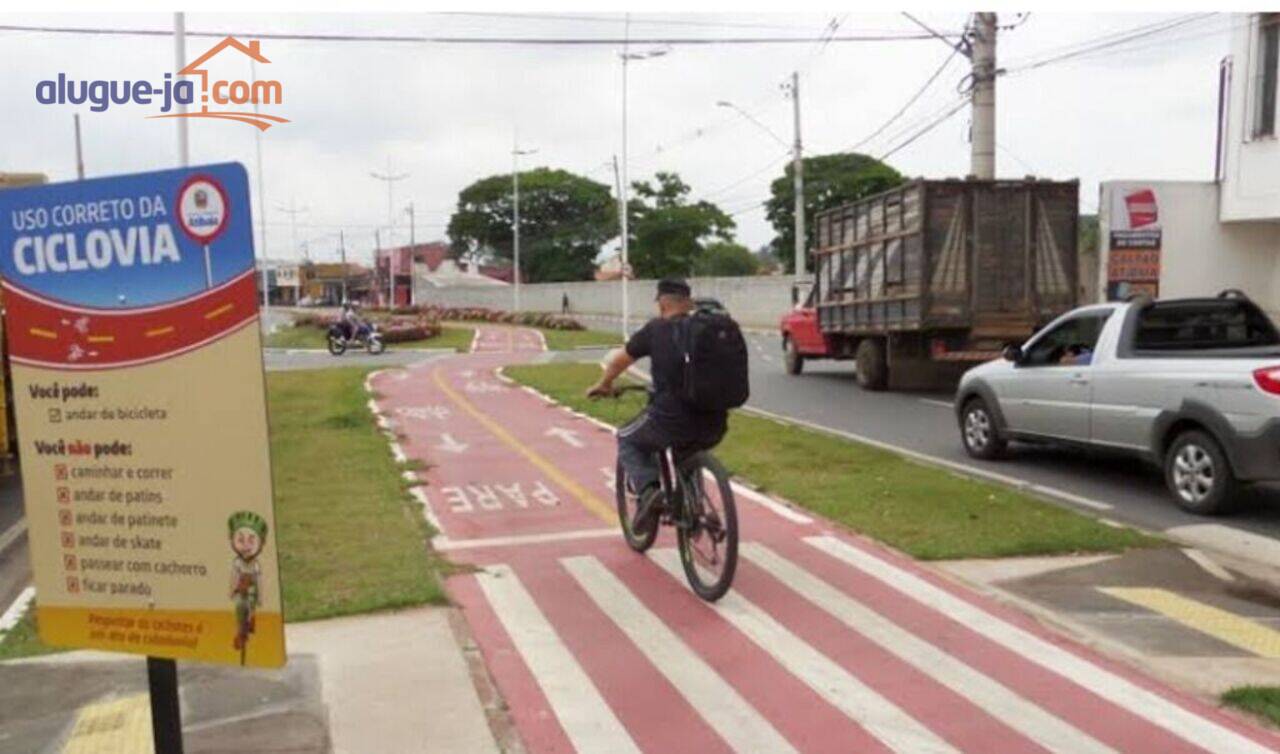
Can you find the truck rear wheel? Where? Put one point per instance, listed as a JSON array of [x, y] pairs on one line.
[[872, 366], [791, 358]]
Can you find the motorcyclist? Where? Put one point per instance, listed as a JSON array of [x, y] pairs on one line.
[[668, 421], [351, 321]]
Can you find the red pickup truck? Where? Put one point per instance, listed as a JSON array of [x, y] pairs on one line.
[[801, 336]]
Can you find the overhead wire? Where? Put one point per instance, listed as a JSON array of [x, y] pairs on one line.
[[470, 40]]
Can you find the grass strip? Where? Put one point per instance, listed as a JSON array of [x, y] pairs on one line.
[[930, 513], [1262, 701]]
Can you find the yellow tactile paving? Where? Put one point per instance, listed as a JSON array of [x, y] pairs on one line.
[[115, 726], [1233, 629]]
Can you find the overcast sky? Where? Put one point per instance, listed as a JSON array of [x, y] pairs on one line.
[[446, 114]]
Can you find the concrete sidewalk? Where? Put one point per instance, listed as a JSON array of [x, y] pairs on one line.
[[388, 682]]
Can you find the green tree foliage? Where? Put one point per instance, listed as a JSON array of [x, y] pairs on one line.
[[829, 181], [564, 219], [724, 259], [668, 232]]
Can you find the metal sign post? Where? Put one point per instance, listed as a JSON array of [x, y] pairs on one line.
[[166, 712]]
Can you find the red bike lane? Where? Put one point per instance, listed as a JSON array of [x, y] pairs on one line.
[[827, 643]]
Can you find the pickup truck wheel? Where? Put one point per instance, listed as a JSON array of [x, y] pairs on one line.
[[872, 368], [979, 433], [1198, 474], [791, 358]]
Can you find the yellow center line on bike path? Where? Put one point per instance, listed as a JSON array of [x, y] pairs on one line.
[[591, 502]]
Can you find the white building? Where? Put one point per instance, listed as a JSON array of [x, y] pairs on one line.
[[1188, 238]]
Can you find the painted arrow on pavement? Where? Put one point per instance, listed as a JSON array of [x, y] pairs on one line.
[[568, 435], [451, 445]]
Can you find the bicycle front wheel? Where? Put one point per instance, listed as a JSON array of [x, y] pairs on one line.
[[627, 505], [709, 537]]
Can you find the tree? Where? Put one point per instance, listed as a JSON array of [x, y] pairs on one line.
[[564, 219], [829, 181], [668, 232], [723, 259]]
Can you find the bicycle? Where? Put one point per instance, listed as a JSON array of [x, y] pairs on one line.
[[698, 501]]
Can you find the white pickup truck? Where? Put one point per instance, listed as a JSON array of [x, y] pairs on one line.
[[1190, 384]]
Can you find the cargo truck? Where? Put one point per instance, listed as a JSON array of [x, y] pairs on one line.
[[918, 283]]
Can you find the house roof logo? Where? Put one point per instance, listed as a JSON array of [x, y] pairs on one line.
[[234, 91]]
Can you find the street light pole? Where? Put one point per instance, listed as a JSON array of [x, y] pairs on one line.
[[293, 210], [262, 211], [79, 151], [390, 179], [180, 60], [797, 172], [797, 166], [623, 181], [516, 152], [622, 196]]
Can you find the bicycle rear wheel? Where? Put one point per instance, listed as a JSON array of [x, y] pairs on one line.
[[627, 506], [709, 543]]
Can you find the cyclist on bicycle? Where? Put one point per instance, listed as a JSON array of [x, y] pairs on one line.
[[668, 421]]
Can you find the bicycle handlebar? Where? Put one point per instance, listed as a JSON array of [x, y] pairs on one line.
[[630, 389]]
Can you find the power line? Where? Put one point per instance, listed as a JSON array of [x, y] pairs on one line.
[[635, 20], [1110, 41], [911, 101], [937, 122], [473, 40], [1158, 42]]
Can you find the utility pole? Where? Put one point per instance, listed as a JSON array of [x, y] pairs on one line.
[[79, 151], [797, 170], [982, 161], [342, 251], [412, 248], [391, 179]]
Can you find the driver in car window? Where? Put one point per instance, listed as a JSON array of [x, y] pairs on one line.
[[1076, 355]]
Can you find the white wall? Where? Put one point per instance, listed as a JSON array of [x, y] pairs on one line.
[[1251, 175], [753, 301], [1201, 256]]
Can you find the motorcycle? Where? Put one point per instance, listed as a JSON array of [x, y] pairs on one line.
[[366, 335]]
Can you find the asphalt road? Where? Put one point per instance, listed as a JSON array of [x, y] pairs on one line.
[[1117, 488]]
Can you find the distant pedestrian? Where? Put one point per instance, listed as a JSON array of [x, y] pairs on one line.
[[564, 303]]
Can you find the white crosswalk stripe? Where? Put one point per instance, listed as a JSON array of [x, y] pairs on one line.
[[1183, 723], [997, 700], [880, 717], [737, 722], [587, 720]]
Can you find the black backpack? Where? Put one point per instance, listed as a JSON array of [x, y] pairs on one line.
[[715, 362]]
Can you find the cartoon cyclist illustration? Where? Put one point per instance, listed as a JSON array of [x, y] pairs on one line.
[[248, 532]]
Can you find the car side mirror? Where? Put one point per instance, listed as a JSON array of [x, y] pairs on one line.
[[1012, 353]]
